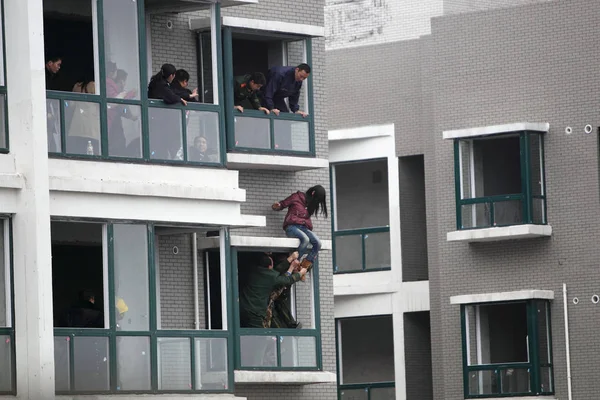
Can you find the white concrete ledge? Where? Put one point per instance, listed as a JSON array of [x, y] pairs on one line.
[[503, 296], [496, 129], [500, 233], [278, 163], [285, 377], [362, 283], [260, 25], [523, 398], [224, 396], [258, 242], [12, 181], [362, 132]]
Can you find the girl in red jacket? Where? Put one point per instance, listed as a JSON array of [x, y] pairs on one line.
[[297, 223]]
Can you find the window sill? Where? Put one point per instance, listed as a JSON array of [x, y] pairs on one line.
[[525, 231], [285, 377], [272, 162]]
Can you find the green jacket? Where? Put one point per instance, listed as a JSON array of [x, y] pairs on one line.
[[242, 92], [254, 297]]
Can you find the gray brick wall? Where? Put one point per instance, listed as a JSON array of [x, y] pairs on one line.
[[464, 6], [413, 223], [417, 353]]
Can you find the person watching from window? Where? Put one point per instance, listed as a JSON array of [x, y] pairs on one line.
[[160, 86], [245, 92], [53, 64], [180, 84], [282, 83]]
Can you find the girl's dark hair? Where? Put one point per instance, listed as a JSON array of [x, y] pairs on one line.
[[316, 199], [165, 71]]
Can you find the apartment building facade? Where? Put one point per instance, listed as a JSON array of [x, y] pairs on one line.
[[499, 99], [160, 211]]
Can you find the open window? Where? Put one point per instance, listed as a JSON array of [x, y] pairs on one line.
[[292, 341], [507, 349], [7, 332], [361, 236], [133, 327]]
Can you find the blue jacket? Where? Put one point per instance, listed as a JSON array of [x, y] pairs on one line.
[[281, 83]]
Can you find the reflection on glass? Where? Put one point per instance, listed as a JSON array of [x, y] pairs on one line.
[[1, 48], [124, 130], [133, 363], [546, 380], [508, 213], [4, 282], [538, 212], [131, 277], [82, 121], [174, 364], [253, 133], [91, 363], [383, 393], [291, 135], [165, 133], [348, 253], [515, 380], [121, 49], [354, 394], [298, 351], [258, 351], [2, 116], [62, 374], [211, 364], [482, 382], [5, 363], [203, 136], [53, 125], [377, 250], [475, 215]]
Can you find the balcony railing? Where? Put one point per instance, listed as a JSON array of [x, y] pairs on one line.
[[367, 391], [80, 127], [505, 210], [361, 250], [278, 349], [89, 361], [512, 379], [7, 362]]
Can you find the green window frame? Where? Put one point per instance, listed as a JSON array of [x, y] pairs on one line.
[[4, 147], [153, 334], [485, 380], [531, 198], [231, 114], [278, 335], [7, 333], [144, 103], [361, 233]]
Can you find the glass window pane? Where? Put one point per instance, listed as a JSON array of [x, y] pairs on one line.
[[377, 250], [5, 296], [2, 118], [211, 364], [291, 135], [1, 48], [165, 133], [508, 212], [303, 304], [298, 351], [82, 120], [465, 168], [203, 139], [515, 380], [497, 166], [121, 49], [482, 382], [361, 195], [475, 215], [543, 323], [383, 393], [258, 351], [124, 130], [354, 394], [53, 125], [62, 373], [205, 86], [174, 364], [546, 381], [348, 253], [295, 51], [91, 363], [133, 363], [535, 157], [5, 363], [538, 211], [131, 277], [253, 133]]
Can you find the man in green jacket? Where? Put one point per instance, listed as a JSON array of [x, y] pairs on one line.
[[254, 298], [245, 92]]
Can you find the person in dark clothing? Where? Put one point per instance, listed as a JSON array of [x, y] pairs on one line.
[[165, 139], [245, 92], [254, 299], [84, 314], [180, 84], [279, 313], [282, 83], [160, 86], [53, 64]]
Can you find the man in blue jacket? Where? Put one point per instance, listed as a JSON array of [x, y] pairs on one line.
[[282, 83]]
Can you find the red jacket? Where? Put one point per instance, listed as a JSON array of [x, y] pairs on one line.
[[297, 213]]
